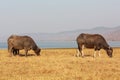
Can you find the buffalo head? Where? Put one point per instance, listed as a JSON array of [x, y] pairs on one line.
[[109, 51], [37, 51]]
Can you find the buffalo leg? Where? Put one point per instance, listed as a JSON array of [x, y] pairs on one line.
[[99, 53], [26, 51], [16, 51], [97, 49], [10, 50], [96, 52], [79, 51], [82, 53]]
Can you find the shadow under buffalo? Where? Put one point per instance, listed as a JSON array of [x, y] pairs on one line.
[[88, 56], [22, 55]]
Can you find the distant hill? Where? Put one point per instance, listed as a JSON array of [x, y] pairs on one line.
[[110, 34]]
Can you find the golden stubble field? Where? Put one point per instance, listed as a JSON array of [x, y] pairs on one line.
[[60, 64]]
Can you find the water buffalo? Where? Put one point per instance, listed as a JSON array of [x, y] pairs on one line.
[[16, 43], [95, 41]]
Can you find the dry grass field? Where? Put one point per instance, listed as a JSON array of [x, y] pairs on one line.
[[60, 64]]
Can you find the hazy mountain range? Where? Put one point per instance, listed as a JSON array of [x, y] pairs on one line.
[[110, 34]]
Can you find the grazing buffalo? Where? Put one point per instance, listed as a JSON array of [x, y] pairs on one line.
[[95, 41], [16, 43]]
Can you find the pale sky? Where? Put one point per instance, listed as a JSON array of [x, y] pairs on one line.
[[27, 16]]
